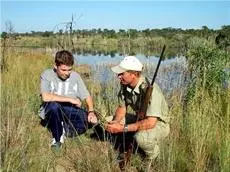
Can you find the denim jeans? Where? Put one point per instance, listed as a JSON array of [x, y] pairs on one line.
[[59, 115]]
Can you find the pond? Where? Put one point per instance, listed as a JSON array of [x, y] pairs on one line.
[[171, 74]]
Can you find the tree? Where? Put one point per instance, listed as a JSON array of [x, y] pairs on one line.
[[4, 35], [222, 41], [205, 31], [8, 38]]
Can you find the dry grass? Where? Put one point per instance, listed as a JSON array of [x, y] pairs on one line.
[[199, 138]]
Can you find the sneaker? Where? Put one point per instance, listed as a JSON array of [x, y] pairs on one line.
[[62, 139], [56, 146]]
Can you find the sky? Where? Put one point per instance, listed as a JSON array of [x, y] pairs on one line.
[[27, 16]]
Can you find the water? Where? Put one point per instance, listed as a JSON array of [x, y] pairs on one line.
[[171, 74], [103, 59]]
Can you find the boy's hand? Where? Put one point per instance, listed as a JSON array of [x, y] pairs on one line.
[[92, 118]]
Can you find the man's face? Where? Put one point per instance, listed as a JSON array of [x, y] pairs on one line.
[[126, 78], [63, 71]]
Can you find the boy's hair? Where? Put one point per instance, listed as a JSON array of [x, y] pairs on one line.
[[64, 57]]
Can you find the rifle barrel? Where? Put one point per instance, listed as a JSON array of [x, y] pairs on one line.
[[158, 65]]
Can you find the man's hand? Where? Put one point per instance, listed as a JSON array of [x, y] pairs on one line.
[[114, 127], [76, 102], [92, 118], [113, 122]]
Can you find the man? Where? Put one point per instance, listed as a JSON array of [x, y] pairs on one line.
[[147, 131], [62, 93]]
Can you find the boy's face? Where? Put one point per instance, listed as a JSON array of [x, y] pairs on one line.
[[63, 71]]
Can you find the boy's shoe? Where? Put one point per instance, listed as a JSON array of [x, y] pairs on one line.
[[62, 139], [56, 146]]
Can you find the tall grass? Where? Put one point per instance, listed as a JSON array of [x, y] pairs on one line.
[[198, 141]]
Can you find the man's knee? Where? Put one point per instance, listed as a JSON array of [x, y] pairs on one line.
[[148, 145]]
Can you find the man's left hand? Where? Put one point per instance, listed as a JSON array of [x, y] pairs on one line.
[[114, 128]]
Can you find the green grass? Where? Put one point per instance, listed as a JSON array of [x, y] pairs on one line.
[[198, 141]]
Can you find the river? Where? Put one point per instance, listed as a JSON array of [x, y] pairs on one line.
[[171, 75]]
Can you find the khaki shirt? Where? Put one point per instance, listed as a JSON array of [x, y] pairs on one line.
[[135, 98]]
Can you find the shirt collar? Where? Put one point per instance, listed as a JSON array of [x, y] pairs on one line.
[[136, 89]]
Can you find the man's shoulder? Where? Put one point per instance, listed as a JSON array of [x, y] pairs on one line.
[[157, 91], [157, 87]]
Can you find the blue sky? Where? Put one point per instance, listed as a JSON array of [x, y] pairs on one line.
[[27, 16]]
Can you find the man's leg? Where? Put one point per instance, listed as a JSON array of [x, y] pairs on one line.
[[123, 142], [148, 140]]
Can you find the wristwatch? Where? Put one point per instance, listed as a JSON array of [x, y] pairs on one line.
[[125, 128]]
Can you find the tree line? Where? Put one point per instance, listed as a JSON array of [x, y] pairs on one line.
[[110, 41], [168, 32]]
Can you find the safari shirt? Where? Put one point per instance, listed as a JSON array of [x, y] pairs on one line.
[[135, 98]]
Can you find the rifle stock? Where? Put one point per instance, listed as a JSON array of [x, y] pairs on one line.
[[147, 98], [149, 90]]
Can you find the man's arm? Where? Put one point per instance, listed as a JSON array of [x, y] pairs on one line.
[[50, 97], [115, 125], [148, 123], [119, 114]]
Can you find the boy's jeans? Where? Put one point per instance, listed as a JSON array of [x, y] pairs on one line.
[[73, 118]]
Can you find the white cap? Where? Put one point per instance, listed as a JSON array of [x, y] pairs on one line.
[[128, 63]]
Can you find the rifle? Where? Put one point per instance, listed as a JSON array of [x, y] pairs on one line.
[[149, 90]]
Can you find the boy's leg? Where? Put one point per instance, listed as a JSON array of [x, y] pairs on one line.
[[54, 114], [76, 121]]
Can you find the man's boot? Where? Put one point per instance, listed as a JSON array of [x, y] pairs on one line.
[[125, 157]]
